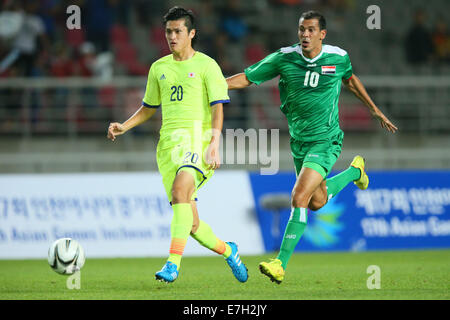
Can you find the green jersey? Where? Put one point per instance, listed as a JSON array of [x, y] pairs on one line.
[[309, 88]]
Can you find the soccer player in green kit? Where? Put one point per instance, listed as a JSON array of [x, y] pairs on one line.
[[311, 74], [191, 90]]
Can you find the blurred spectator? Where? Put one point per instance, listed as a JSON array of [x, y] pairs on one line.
[[339, 5], [227, 32], [206, 27], [254, 50], [120, 11], [91, 64], [287, 2], [103, 66], [84, 66], [150, 12], [232, 22], [61, 64], [99, 20], [52, 13], [158, 39], [24, 31], [220, 54], [74, 37], [11, 22], [418, 44], [441, 41]]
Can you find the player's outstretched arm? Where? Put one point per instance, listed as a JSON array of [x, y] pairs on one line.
[[238, 81], [213, 154], [140, 116], [355, 85]]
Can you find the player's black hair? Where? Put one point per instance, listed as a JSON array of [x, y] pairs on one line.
[[315, 15], [177, 13]]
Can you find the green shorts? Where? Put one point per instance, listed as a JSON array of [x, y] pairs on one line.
[[183, 157], [319, 155]]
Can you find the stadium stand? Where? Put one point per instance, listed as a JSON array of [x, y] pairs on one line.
[[72, 83]]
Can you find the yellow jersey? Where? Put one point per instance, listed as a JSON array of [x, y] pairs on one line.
[[185, 90]]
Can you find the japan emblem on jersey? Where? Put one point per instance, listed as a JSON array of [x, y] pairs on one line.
[[328, 69], [191, 75]]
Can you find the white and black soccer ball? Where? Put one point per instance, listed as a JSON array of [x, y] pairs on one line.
[[66, 256]]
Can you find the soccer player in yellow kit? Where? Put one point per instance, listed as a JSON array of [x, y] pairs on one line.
[[191, 90]]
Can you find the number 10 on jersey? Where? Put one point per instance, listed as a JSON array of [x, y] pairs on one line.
[[312, 78]]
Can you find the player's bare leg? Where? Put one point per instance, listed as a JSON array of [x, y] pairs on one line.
[[319, 197], [183, 188], [308, 181], [196, 221]]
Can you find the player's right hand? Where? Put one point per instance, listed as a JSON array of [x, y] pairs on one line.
[[213, 156], [115, 129]]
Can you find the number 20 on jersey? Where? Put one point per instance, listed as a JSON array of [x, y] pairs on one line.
[[177, 93]]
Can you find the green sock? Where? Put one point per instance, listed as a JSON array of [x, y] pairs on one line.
[[294, 231], [339, 181], [180, 228], [206, 237]]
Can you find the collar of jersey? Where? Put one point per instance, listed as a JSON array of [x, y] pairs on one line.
[[299, 50], [191, 58]]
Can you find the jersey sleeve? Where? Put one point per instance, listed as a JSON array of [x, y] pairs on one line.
[[216, 85], [152, 97], [265, 69], [348, 68]]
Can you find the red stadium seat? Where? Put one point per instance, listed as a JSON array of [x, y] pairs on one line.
[[355, 117], [119, 35], [137, 69], [158, 39], [253, 53], [107, 96], [75, 37], [126, 54]]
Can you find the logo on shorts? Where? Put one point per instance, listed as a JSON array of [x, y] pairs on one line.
[[313, 155], [163, 77]]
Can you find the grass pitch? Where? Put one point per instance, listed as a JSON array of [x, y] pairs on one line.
[[341, 276]]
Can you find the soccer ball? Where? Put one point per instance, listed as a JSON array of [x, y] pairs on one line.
[[66, 256]]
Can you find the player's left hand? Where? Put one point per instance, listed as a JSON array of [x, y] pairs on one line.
[[385, 123], [213, 156]]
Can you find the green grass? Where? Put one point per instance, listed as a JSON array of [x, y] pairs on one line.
[[404, 275]]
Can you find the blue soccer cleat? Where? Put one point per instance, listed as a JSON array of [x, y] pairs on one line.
[[168, 273], [240, 271]]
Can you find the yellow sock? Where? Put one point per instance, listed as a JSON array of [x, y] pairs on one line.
[[180, 229], [206, 237]]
